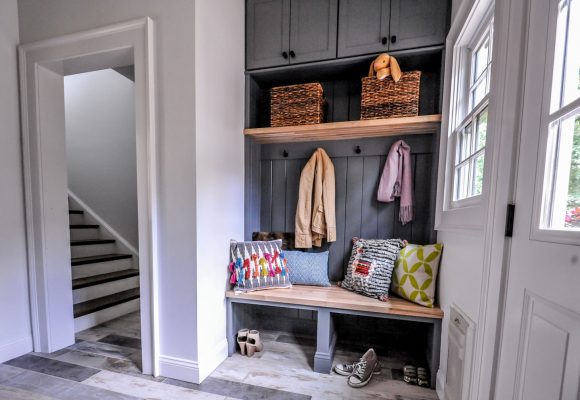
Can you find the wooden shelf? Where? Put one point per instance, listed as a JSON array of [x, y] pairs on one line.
[[423, 124]]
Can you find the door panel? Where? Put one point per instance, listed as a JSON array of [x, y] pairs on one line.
[[540, 341], [313, 27], [363, 27], [417, 23], [267, 33]]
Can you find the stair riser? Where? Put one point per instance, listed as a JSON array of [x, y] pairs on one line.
[[96, 318], [76, 219], [93, 250], [84, 234], [104, 289], [82, 271]]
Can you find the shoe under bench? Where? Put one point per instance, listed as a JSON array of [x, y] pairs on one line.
[[329, 301]]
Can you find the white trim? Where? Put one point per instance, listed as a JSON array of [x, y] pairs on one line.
[[15, 348], [104, 225], [440, 384], [137, 35], [179, 368], [215, 358]]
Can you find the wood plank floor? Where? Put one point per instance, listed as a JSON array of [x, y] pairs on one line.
[[104, 364]]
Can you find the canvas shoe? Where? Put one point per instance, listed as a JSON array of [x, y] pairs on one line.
[[364, 370], [347, 369]]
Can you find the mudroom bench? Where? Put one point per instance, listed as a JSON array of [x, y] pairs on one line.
[[327, 301]]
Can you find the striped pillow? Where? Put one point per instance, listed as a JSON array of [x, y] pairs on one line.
[[371, 266]]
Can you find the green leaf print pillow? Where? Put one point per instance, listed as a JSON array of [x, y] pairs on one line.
[[415, 273]]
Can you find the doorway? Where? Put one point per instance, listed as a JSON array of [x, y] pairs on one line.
[[43, 68]]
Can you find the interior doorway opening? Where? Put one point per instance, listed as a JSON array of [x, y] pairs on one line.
[[44, 68]]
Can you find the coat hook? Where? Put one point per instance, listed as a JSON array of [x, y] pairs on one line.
[[285, 154], [357, 150]]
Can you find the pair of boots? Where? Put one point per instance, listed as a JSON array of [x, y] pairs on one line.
[[360, 373], [249, 342]]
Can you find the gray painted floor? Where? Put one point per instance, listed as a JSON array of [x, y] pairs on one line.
[[104, 364]]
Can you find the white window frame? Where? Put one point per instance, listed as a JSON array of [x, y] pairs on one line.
[[539, 233], [465, 34]]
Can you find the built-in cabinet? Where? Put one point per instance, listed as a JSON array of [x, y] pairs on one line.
[[284, 32]]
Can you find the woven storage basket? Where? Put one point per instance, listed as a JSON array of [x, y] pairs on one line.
[[389, 99], [297, 105]]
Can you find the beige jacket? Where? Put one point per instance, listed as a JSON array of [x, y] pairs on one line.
[[315, 212]]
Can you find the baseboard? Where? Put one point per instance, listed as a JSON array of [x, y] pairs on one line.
[[179, 368], [440, 387], [208, 364], [15, 348], [105, 226]]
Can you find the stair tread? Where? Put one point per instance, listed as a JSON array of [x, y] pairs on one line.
[[101, 303], [81, 283], [83, 242], [99, 258], [83, 226], [76, 212]]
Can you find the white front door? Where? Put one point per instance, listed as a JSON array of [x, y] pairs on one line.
[[540, 339]]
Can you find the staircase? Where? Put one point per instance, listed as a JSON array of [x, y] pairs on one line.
[[105, 279]]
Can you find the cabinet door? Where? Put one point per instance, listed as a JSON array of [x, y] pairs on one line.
[[417, 23], [267, 33], [313, 27], [363, 27]]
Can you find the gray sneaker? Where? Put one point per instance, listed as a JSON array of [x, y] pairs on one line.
[[364, 370], [348, 369]]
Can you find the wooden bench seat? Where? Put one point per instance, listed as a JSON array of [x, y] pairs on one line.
[[327, 301]]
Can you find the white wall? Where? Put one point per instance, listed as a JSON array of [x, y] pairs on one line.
[[101, 149], [220, 163], [15, 331], [200, 156]]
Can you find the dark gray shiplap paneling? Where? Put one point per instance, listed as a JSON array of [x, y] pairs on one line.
[[358, 213]]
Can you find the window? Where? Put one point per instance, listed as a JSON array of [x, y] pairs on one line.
[[471, 111], [561, 190]]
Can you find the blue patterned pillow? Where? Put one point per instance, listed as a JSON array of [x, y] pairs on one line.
[[308, 268]]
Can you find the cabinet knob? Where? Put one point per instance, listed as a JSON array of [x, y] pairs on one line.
[[292, 54], [394, 39], [384, 40], [284, 54]]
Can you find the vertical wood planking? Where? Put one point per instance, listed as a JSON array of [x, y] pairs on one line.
[[353, 212], [266, 196], [293, 170], [369, 205], [357, 176], [278, 195], [336, 255], [386, 217], [421, 230]]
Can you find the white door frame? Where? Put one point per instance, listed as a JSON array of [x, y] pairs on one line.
[[43, 65]]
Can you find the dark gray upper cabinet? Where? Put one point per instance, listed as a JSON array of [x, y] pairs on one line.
[[267, 33], [363, 27], [417, 23], [313, 25]]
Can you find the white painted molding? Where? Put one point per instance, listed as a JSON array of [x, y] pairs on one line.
[[82, 52], [209, 364], [15, 348], [179, 368], [440, 384], [104, 224]]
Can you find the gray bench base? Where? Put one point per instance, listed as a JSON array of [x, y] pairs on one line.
[[326, 334]]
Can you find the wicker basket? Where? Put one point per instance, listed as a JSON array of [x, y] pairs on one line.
[[297, 105], [387, 99]]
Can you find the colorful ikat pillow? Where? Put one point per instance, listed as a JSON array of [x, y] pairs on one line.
[[257, 266]]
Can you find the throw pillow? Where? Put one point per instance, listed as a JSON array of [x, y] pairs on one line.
[[308, 268], [415, 274], [258, 265], [371, 265]]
